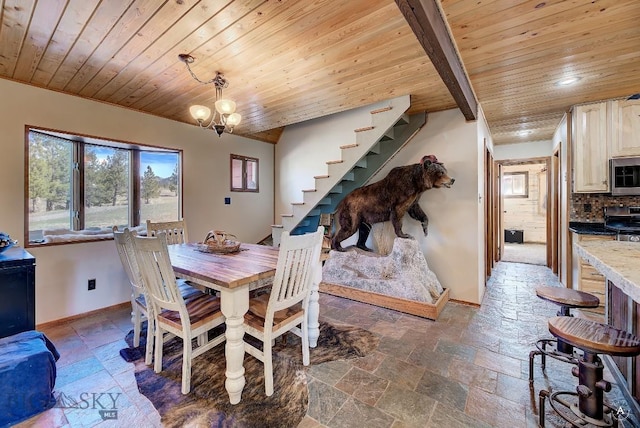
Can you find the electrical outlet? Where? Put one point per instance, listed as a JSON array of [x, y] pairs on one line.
[[92, 284]]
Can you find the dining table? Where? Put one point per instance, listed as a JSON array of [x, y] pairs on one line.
[[234, 275]]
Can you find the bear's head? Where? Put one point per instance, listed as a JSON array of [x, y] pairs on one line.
[[435, 173]]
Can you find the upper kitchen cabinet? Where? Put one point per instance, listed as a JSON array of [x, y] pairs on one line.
[[625, 132], [590, 143]]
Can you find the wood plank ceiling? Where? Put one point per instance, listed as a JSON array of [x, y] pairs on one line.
[[289, 61]]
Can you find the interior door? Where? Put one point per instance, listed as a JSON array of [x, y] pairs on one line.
[[555, 211], [489, 213], [500, 209]]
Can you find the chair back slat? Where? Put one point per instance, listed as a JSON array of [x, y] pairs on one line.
[[124, 245], [157, 273], [298, 258], [176, 231]]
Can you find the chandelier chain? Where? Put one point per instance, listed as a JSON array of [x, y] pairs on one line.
[[219, 81]]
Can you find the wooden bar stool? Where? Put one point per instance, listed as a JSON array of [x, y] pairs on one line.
[[592, 338], [567, 299]]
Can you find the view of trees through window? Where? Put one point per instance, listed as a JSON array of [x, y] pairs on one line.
[[106, 186], [50, 161], [159, 187], [76, 185]]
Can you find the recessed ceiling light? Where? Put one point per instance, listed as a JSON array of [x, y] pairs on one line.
[[568, 81]]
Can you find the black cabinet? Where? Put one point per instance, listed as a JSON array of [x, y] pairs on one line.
[[514, 236], [17, 292]]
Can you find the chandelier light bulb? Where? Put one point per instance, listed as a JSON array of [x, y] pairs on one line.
[[233, 120], [200, 113], [225, 106]]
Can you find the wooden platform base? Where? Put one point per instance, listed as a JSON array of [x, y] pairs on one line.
[[421, 309]]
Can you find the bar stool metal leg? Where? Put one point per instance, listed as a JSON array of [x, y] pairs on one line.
[[556, 352]]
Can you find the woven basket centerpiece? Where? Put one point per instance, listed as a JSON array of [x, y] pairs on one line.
[[219, 241]]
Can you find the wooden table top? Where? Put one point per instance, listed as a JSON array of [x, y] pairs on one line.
[[568, 297], [594, 337], [253, 262]]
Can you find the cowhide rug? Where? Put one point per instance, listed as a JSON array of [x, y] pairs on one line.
[[207, 405]]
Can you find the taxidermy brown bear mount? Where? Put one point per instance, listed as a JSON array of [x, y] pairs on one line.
[[389, 199]]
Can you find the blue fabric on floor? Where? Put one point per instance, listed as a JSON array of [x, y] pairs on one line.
[[27, 376]]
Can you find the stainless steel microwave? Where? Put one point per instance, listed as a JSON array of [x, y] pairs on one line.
[[625, 176]]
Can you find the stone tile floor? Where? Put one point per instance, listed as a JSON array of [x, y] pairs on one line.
[[467, 369], [529, 252]]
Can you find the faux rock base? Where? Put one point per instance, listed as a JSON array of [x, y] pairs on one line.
[[403, 273]]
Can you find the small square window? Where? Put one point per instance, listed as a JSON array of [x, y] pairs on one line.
[[515, 184], [244, 174]]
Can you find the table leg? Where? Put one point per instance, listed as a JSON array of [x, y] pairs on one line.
[[313, 312], [234, 304]]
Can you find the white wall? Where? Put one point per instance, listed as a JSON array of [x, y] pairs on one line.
[[529, 149], [62, 271], [453, 248]]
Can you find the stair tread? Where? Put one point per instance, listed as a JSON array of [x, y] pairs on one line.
[[349, 146], [381, 110]]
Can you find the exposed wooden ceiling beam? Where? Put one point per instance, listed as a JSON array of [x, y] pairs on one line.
[[429, 27]]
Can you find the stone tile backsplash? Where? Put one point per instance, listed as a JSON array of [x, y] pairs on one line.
[[588, 207]]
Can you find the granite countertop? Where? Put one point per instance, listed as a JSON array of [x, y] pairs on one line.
[[618, 261], [584, 228]]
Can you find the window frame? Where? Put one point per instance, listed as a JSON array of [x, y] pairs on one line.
[[79, 142], [525, 184], [245, 161]]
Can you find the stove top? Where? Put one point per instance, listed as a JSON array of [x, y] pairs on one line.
[[624, 220]]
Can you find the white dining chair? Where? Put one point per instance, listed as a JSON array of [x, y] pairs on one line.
[[176, 230], [187, 319], [140, 309], [285, 307]]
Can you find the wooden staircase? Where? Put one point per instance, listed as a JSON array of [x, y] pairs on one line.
[[374, 145]]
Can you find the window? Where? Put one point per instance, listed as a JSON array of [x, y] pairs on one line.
[[515, 184], [244, 174], [79, 187]]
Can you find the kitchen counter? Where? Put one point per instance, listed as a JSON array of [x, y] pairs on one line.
[[618, 261], [584, 228]]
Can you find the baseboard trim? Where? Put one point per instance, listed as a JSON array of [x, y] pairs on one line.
[[462, 302], [82, 315]]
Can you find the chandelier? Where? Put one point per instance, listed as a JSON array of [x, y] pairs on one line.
[[224, 117]]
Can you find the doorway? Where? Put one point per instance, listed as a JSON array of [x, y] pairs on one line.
[[525, 216]]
